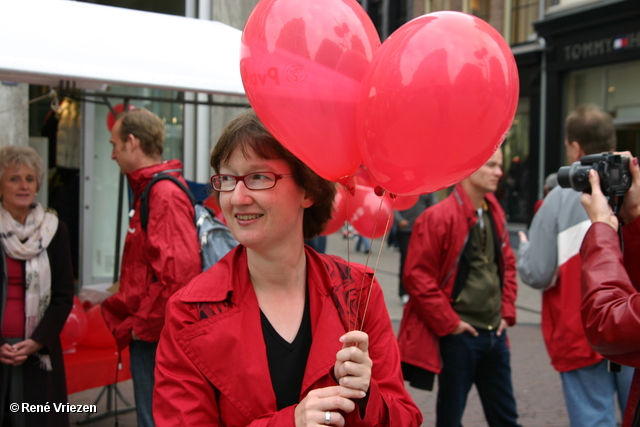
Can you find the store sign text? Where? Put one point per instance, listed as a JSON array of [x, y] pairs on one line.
[[605, 46]]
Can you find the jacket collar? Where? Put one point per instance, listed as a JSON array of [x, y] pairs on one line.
[[139, 178], [229, 349], [466, 205]]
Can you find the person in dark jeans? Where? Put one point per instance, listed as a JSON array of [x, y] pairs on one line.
[[460, 275]]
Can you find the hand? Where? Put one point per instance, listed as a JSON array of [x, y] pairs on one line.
[[24, 349], [523, 237], [7, 354], [464, 327], [403, 223], [631, 205], [503, 325], [134, 336], [312, 410], [353, 364], [596, 203]]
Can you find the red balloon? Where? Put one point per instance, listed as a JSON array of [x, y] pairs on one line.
[[111, 119], [301, 65], [402, 202], [367, 215], [436, 103], [99, 335], [362, 177], [339, 212], [75, 328]]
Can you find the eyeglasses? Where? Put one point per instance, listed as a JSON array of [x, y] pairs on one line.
[[253, 181]]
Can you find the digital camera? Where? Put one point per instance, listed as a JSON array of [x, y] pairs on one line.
[[613, 170]]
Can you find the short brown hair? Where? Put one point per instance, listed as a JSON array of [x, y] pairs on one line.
[[246, 133], [17, 155], [592, 128], [146, 126]]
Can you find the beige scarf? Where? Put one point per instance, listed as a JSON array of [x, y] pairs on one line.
[[28, 243]]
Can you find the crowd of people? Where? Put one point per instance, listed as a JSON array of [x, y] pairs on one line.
[[274, 334]]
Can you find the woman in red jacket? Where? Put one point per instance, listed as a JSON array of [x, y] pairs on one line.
[[610, 282], [269, 335]]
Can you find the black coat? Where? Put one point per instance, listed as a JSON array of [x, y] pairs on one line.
[[40, 386]]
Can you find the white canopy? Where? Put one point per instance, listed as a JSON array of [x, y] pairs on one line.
[[46, 41]]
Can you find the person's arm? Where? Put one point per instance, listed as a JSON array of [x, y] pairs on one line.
[[387, 402], [537, 260], [425, 258], [182, 394], [610, 307], [173, 252], [509, 285], [62, 291]]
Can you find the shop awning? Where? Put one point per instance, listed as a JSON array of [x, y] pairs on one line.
[[52, 41]]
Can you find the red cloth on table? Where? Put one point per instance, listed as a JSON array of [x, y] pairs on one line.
[[90, 367]]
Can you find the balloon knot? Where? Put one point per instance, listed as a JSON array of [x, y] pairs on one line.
[[348, 182]]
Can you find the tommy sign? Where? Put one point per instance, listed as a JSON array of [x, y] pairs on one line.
[[600, 47]]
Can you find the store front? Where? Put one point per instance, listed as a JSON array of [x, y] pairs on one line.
[[592, 56], [585, 54]]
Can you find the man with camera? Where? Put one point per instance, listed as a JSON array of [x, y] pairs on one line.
[[551, 261], [610, 305]]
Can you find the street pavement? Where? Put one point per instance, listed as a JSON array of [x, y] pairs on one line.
[[537, 385]]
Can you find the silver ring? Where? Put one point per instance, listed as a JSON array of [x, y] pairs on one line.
[[327, 418]]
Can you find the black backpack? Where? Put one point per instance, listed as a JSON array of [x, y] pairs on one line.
[[215, 238]]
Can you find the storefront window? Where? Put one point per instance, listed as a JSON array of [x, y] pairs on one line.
[[524, 13], [516, 185], [623, 92], [438, 5], [613, 88], [480, 8]]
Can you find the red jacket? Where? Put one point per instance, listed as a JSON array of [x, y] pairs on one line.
[[611, 300], [551, 261], [154, 264], [437, 241], [211, 365]]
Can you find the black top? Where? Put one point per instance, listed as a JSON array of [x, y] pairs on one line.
[[287, 361]]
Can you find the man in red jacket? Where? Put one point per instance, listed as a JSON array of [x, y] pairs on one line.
[[155, 264], [460, 275], [610, 281]]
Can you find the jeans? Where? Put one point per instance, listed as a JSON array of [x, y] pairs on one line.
[[143, 362], [363, 242], [484, 361], [589, 393], [402, 238]]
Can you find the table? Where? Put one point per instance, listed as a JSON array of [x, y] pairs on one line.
[[90, 367]]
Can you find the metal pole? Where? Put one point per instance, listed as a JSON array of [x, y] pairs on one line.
[[116, 261], [543, 117]]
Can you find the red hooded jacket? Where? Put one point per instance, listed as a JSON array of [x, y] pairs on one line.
[[157, 263]]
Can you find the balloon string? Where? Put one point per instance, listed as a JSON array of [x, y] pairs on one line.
[[350, 281], [386, 228]]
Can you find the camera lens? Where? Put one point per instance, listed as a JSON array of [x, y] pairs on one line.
[[575, 176], [564, 180], [580, 179]]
